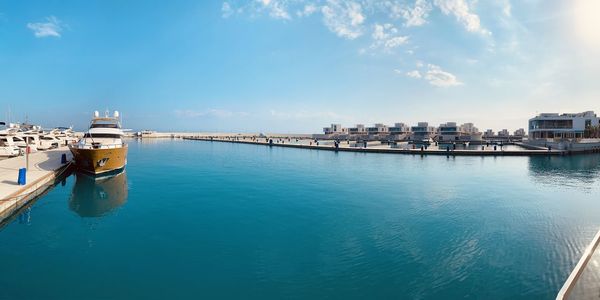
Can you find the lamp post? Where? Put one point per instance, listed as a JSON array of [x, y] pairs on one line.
[[27, 153]]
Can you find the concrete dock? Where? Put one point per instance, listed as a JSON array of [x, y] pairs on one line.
[[379, 149], [44, 169]]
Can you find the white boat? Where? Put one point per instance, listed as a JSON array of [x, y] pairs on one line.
[[48, 141], [32, 139], [8, 149], [64, 134]]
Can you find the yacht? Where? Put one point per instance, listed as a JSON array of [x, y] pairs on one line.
[[6, 149], [48, 141], [64, 134], [10, 148], [101, 149]]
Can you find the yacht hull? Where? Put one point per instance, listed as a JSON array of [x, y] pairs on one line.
[[99, 161]]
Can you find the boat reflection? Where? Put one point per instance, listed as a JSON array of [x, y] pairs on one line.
[[98, 196]]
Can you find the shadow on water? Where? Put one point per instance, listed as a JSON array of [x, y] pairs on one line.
[[98, 196], [575, 169]]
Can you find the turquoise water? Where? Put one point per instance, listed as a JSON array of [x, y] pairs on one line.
[[192, 219]]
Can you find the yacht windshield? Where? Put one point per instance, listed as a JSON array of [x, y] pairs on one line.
[[104, 125], [102, 135]]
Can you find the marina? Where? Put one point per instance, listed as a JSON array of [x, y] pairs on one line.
[[310, 149], [287, 230]]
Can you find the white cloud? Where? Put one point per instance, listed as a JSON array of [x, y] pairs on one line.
[[462, 11], [344, 18], [217, 113], [395, 42], [308, 10], [278, 11], [414, 74], [440, 78], [52, 27], [413, 16], [384, 36]]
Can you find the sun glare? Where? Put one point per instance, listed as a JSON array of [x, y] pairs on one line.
[[587, 22]]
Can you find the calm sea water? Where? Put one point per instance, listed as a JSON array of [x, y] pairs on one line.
[[193, 219]]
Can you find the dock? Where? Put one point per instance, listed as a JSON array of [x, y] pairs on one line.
[[45, 168], [343, 146]]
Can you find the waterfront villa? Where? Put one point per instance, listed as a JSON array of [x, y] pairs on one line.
[[399, 131], [568, 131], [451, 132], [359, 129], [569, 126], [377, 129], [422, 132], [334, 128]]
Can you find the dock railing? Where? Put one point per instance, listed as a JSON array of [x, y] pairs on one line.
[[579, 268]]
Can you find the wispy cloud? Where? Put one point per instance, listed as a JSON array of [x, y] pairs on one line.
[[52, 27], [463, 13], [308, 10], [217, 113], [438, 77], [344, 18], [414, 74], [386, 36], [413, 16], [433, 74]]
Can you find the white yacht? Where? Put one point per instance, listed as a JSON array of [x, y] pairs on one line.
[[101, 149]]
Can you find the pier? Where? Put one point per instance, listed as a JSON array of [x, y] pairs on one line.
[[44, 169], [345, 146]]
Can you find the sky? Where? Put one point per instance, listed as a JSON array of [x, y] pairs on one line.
[[296, 66]]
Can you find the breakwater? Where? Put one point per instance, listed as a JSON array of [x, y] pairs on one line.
[[374, 148]]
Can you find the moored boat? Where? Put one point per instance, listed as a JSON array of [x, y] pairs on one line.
[[101, 149]]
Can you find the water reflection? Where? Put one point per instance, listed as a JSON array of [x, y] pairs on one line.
[[97, 196], [568, 170]]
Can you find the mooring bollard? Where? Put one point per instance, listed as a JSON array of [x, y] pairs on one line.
[[494, 147], [22, 176], [63, 158]]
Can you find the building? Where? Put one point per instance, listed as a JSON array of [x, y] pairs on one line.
[[399, 128], [333, 129], [562, 126], [520, 132], [399, 132], [451, 132], [448, 132], [377, 129], [488, 134], [576, 132], [359, 129], [469, 128], [503, 133], [422, 132]]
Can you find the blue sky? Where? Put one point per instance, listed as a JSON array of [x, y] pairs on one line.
[[297, 65]]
